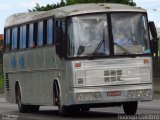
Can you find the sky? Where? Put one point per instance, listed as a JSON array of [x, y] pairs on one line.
[[9, 7]]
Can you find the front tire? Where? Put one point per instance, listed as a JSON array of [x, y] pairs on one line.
[[63, 110], [85, 109], [130, 108]]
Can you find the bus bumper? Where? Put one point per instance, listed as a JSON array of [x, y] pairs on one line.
[[110, 94]]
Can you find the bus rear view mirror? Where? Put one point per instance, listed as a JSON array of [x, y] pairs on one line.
[[153, 29], [80, 50]]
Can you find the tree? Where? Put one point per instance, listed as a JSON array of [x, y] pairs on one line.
[[47, 7], [71, 2], [128, 2]]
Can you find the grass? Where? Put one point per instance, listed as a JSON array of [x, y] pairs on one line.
[[1, 82]]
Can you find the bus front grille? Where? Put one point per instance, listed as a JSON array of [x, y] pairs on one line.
[[113, 76]]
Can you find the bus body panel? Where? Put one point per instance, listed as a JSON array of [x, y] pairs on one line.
[[123, 97], [91, 78], [35, 70]]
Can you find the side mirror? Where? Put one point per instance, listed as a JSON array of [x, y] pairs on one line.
[[80, 50], [153, 30]]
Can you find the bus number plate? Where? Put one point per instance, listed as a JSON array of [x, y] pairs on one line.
[[114, 93]]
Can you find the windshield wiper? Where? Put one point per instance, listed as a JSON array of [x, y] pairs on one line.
[[98, 47], [122, 48]]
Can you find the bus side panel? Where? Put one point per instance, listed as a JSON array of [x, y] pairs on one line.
[[9, 66], [35, 70]]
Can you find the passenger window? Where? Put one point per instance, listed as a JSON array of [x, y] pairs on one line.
[[31, 35], [23, 37], [40, 34], [50, 35], [63, 27], [60, 38], [7, 41], [14, 38]]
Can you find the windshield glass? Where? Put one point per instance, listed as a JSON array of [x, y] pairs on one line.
[[88, 35], [130, 33]]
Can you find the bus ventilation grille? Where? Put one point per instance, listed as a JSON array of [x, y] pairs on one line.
[[7, 85]]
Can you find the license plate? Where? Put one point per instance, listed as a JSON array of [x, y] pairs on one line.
[[114, 93]]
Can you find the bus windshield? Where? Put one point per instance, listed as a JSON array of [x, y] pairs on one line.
[[130, 32], [88, 35]]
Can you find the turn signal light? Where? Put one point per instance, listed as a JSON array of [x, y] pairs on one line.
[[146, 61], [77, 65]]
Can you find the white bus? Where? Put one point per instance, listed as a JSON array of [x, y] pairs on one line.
[[78, 57]]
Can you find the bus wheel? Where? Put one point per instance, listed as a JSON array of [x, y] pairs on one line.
[[130, 108], [33, 108], [22, 108], [85, 109], [25, 108], [63, 110]]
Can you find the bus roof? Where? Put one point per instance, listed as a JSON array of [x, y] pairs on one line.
[[62, 12]]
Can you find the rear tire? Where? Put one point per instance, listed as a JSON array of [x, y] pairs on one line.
[[130, 108], [25, 108]]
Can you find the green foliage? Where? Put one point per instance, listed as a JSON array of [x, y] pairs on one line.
[[128, 2], [71, 2], [47, 7]]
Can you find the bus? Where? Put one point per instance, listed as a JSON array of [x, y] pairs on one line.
[[74, 57]]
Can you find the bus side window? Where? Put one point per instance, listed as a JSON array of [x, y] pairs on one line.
[[31, 36], [14, 38], [23, 37], [40, 34], [50, 33], [60, 37], [63, 29], [7, 39]]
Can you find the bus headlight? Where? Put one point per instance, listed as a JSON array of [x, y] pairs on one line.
[[140, 93], [131, 93], [147, 93], [88, 96]]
